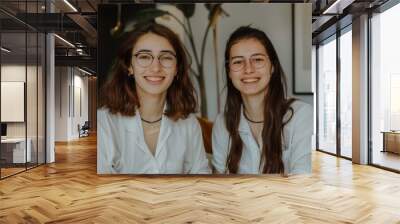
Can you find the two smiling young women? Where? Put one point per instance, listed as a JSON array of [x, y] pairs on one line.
[[147, 123]]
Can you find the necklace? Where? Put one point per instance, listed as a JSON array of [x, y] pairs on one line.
[[150, 122], [256, 122]]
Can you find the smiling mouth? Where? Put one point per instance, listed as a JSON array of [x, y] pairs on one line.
[[154, 79], [250, 80]]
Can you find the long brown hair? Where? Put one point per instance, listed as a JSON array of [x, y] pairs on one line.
[[119, 92], [276, 105]]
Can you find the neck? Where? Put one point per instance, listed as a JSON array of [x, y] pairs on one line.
[[254, 107], [151, 106]]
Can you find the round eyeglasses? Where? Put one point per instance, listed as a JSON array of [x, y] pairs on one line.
[[145, 59], [257, 61]]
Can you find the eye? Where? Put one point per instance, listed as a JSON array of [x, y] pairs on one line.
[[144, 56], [167, 57], [259, 59], [237, 62]]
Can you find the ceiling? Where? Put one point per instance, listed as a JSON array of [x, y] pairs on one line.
[[77, 23]]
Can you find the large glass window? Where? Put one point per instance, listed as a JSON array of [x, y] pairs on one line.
[[346, 93], [327, 96], [385, 88]]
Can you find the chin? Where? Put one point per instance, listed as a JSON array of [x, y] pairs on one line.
[[251, 91], [153, 91]]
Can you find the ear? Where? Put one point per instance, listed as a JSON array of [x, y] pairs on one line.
[[272, 69], [229, 75], [130, 70]]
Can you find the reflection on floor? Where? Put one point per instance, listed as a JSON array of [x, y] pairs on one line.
[[387, 159], [10, 169]]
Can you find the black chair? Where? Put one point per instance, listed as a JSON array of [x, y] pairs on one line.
[[84, 130]]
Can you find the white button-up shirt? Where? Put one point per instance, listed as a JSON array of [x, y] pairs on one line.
[[296, 143], [121, 147]]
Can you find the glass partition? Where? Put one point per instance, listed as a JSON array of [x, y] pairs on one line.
[[14, 153], [327, 96], [22, 91]]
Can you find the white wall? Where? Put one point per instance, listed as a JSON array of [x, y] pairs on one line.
[[70, 83], [274, 19], [17, 73], [61, 82], [33, 126]]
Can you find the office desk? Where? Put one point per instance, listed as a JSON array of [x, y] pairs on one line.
[[13, 150]]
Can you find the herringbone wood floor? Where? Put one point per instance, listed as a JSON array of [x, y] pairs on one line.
[[70, 191]]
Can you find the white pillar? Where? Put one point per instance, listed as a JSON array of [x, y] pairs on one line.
[[50, 94], [360, 90]]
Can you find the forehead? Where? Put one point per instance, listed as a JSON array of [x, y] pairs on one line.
[[247, 47], [153, 42]]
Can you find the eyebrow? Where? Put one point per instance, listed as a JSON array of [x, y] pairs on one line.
[[149, 51], [167, 51], [143, 50], [256, 54], [237, 57]]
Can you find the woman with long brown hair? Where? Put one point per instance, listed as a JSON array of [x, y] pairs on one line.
[[261, 129], [146, 116]]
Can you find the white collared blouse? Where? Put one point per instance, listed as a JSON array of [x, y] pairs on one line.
[[296, 152], [121, 147]]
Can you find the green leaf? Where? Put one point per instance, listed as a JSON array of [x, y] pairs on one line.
[[187, 9], [143, 16]]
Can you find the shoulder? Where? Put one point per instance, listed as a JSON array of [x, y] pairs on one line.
[[301, 105], [104, 115], [220, 121], [301, 111], [189, 122], [219, 127]]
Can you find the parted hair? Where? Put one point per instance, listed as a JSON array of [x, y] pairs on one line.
[[276, 105], [118, 94]]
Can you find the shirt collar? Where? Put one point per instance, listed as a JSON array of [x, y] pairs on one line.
[[134, 122]]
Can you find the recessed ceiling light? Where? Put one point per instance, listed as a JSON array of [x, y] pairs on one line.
[[70, 5], [65, 41], [5, 50], [84, 71], [337, 7]]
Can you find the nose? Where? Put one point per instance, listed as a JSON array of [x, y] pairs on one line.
[[248, 67], [155, 66]]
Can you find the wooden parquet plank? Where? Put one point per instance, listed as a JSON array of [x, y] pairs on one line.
[[70, 191]]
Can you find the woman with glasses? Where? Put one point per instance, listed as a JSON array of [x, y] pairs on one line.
[[146, 121], [261, 129]]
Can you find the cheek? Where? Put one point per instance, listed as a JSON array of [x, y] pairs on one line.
[[268, 70], [233, 76], [138, 70], [171, 73]]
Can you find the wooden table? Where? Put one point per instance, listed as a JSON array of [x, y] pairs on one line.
[[391, 141]]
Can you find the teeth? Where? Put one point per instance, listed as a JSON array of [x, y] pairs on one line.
[[154, 78], [250, 80]]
